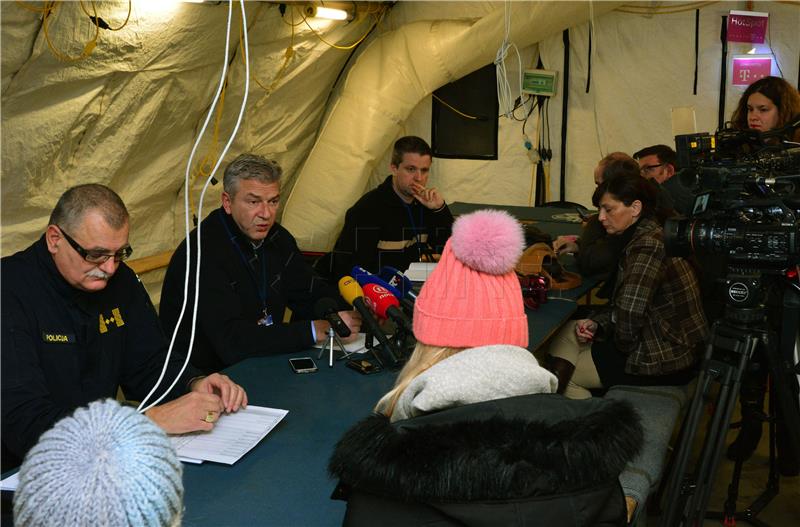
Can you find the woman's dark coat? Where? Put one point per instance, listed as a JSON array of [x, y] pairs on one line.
[[529, 460]]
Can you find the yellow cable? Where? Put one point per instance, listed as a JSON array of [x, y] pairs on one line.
[[351, 46], [462, 114], [49, 10], [533, 179], [130, 4], [288, 54], [546, 170], [283, 18]]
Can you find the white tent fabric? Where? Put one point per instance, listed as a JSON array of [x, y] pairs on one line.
[[128, 114], [384, 85]]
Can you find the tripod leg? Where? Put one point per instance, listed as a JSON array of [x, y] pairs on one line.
[[751, 401], [785, 381], [345, 354], [331, 335], [726, 355], [675, 499], [743, 348]]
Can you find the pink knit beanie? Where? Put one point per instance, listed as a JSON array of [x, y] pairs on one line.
[[473, 297]]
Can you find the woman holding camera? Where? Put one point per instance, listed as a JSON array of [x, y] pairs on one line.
[[653, 327], [768, 104], [471, 433]]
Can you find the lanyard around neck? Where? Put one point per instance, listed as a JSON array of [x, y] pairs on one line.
[[261, 288]]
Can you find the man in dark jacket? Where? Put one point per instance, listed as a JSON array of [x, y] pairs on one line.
[[597, 253], [251, 271], [659, 163], [528, 460], [399, 222], [77, 324]]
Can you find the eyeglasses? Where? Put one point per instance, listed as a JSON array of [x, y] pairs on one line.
[[649, 168], [94, 256]]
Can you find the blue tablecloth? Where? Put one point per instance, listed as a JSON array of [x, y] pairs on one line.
[[283, 480]]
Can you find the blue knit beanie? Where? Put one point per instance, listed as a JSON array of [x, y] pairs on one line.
[[104, 465]]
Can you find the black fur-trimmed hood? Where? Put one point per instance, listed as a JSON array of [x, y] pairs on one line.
[[527, 446]]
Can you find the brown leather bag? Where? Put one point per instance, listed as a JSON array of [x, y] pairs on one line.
[[540, 259]]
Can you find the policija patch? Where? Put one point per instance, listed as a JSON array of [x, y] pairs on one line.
[[115, 318], [58, 338]]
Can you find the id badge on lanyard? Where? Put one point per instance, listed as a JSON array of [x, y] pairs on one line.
[[265, 320]]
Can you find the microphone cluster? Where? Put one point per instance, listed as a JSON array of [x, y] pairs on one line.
[[389, 296]]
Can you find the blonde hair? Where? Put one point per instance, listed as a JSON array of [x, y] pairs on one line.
[[423, 357]]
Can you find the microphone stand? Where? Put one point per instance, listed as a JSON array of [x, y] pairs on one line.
[[387, 347], [400, 338], [329, 345]]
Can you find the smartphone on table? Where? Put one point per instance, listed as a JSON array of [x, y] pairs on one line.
[[303, 365]]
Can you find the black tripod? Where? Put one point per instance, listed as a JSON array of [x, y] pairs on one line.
[[733, 341]]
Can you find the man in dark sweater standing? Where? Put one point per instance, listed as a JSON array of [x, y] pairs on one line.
[[251, 271], [399, 222]]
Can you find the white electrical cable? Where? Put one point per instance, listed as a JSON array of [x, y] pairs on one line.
[[187, 189], [505, 95]]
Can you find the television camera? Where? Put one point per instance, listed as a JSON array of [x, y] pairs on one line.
[[741, 194], [738, 192]]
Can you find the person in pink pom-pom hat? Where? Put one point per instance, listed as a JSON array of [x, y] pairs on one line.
[[472, 434], [469, 320]]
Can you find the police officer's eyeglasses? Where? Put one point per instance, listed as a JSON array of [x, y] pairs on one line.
[[97, 257]]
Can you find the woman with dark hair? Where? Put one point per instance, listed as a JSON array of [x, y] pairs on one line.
[[767, 104], [652, 329]]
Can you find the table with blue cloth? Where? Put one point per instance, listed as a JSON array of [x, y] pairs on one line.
[[283, 480]]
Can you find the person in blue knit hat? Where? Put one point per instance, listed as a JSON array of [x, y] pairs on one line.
[[104, 465]]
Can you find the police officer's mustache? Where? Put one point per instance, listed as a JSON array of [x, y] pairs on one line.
[[97, 273]]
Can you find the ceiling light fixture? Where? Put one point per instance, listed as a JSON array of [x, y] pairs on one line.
[[329, 13]]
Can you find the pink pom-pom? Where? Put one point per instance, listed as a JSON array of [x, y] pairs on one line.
[[490, 241]]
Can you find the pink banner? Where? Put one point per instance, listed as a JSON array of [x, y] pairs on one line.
[[747, 26], [747, 70]]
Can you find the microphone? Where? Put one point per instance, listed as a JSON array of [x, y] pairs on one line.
[[326, 309], [365, 277], [386, 305], [354, 295], [399, 280]]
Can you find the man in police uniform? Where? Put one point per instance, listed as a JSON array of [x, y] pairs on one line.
[[77, 324]]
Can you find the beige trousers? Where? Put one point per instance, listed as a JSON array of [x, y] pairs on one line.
[[566, 346]]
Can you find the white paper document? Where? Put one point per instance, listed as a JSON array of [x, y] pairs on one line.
[[11, 482], [357, 346], [420, 271], [232, 437]]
